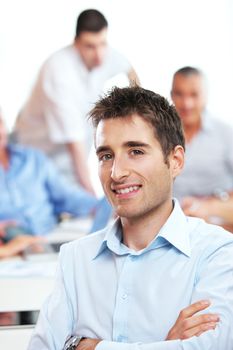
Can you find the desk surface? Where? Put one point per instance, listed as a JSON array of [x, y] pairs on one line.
[[12, 338], [25, 284], [24, 294]]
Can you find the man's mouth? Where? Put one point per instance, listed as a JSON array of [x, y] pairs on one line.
[[126, 190]]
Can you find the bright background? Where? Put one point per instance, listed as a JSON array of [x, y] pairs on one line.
[[158, 36]]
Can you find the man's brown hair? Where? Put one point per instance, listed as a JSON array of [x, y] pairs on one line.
[[153, 108]]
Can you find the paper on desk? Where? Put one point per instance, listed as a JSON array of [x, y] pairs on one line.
[[22, 268]]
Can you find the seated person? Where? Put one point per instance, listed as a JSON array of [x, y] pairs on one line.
[[33, 194], [208, 170]]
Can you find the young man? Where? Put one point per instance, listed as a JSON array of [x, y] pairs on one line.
[[69, 82], [140, 283], [207, 178]]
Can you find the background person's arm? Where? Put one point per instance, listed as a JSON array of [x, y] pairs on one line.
[[79, 158], [64, 197], [133, 77], [211, 209], [17, 245]]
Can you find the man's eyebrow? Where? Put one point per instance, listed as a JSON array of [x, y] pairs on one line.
[[126, 145], [102, 149], [136, 144]]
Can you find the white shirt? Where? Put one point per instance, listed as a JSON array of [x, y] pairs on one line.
[[65, 91], [131, 299]]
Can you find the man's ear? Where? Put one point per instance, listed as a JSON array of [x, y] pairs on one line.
[[177, 161]]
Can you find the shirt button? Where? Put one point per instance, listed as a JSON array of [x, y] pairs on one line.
[[124, 296], [120, 338], [132, 257]]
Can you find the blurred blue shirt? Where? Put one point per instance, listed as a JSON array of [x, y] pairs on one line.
[[33, 194], [131, 299]]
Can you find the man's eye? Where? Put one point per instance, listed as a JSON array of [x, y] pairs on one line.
[[105, 157], [137, 152]]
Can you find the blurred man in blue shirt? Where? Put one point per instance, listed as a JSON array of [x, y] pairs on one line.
[[33, 194]]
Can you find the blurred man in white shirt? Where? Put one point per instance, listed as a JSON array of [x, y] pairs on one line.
[[68, 84]]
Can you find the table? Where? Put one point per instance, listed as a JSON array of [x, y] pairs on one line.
[[12, 338], [26, 282]]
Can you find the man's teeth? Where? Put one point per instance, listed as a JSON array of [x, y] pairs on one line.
[[127, 190]]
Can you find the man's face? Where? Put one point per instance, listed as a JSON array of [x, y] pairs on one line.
[[92, 47], [189, 99], [132, 169], [3, 134]]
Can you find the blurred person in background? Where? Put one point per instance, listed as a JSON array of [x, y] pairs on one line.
[[207, 179], [34, 194], [54, 117]]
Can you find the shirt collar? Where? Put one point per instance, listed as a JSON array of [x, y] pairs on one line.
[[175, 231], [112, 239]]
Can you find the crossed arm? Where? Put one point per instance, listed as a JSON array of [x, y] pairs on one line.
[[188, 324]]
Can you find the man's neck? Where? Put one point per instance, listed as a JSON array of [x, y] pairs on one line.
[[139, 232], [4, 158]]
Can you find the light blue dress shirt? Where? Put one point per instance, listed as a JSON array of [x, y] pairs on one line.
[[131, 299], [33, 193]]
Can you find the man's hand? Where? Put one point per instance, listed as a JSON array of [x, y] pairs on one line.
[[88, 344], [198, 207], [4, 224], [189, 324], [18, 244]]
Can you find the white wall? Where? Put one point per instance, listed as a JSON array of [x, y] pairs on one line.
[[158, 36]]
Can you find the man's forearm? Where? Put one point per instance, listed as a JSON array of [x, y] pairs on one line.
[[133, 77], [79, 157]]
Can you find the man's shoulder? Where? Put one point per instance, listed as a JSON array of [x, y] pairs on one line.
[[217, 125], [209, 237], [59, 58], [89, 244]]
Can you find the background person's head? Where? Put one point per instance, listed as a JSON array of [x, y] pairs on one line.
[[153, 108], [189, 95], [91, 37]]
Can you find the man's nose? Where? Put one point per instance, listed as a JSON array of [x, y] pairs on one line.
[[99, 54], [188, 102], [119, 170]]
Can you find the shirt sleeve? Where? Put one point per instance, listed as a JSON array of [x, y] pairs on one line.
[[161, 345], [214, 282], [116, 63], [67, 198]]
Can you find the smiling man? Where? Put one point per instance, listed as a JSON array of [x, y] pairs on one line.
[[144, 282]]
